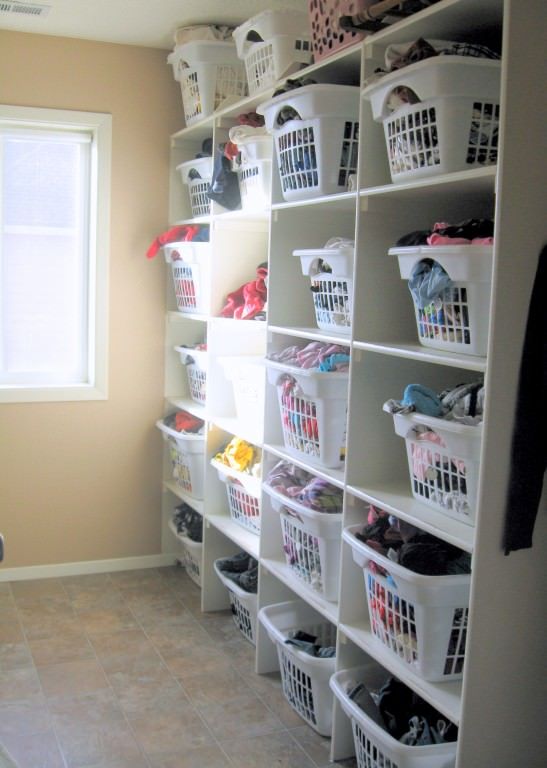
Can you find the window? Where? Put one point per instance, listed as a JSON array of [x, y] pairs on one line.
[[54, 240]]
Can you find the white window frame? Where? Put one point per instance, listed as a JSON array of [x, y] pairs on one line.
[[100, 127]]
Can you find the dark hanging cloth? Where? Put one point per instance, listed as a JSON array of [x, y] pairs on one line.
[[529, 445]]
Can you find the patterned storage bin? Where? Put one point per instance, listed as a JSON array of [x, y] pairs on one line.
[[283, 48], [421, 620], [328, 37], [305, 678], [316, 133], [244, 606], [210, 75], [454, 124], [458, 319]]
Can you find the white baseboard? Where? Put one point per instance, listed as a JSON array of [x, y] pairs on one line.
[[89, 566]]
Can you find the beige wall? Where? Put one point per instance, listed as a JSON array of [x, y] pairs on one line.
[[81, 481]]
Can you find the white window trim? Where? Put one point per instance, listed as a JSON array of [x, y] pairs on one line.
[[100, 125]]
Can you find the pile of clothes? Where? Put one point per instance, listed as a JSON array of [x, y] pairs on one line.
[[410, 547], [403, 714], [185, 422], [466, 232], [242, 456], [188, 522], [306, 489], [304, 641], [317, 355], [183, 233], [248, 302], [242, 569], [438, 475]]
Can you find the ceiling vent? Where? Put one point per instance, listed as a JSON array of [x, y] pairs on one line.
[[25, 9]]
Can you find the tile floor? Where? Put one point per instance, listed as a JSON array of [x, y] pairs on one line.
[[122, 670]]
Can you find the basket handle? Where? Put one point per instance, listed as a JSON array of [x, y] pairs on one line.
[[252, 37], [400, 95], [281, 119]]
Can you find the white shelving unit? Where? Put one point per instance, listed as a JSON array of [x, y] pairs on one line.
[[499, 691]]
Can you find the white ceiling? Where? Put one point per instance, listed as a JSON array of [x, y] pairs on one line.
[[150, 23]]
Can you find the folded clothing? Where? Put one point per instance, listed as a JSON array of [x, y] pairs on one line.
[[242, 569], [188, 522], [466, 232]]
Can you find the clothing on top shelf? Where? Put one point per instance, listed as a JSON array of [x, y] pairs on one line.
[[403, 714], [410, 547], [308, 643], [463, 403], [317, 355], [182, 421], [188, 522], [196, 233], [248, 302], [240, 455], [377, 16], [242, 569], [467, 232], [305, 488]]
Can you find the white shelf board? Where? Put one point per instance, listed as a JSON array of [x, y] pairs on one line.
[[316, 334], [251, 433], [243, 538], [196, 504], [174, 315], [194, 220], [343, 201], [444, 696], [334, 476], [398, 501], [458, 183], [283, 572], [442, 20], [187, 404], [423, 354], [242, 215]]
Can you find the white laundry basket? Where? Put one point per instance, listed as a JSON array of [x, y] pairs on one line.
[[311, 543], [284, 47], [312, 409], [248, 377], [304, 678], [316, 143], [374, 746], [210, 75], [453, 126], [244, 606], [253, 166], [458, 320], [443, 461], [332, 289], [202, 169], [190, 265], [195, 362], [186, 453], [421, 620], [192, 557], [243, 494]]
